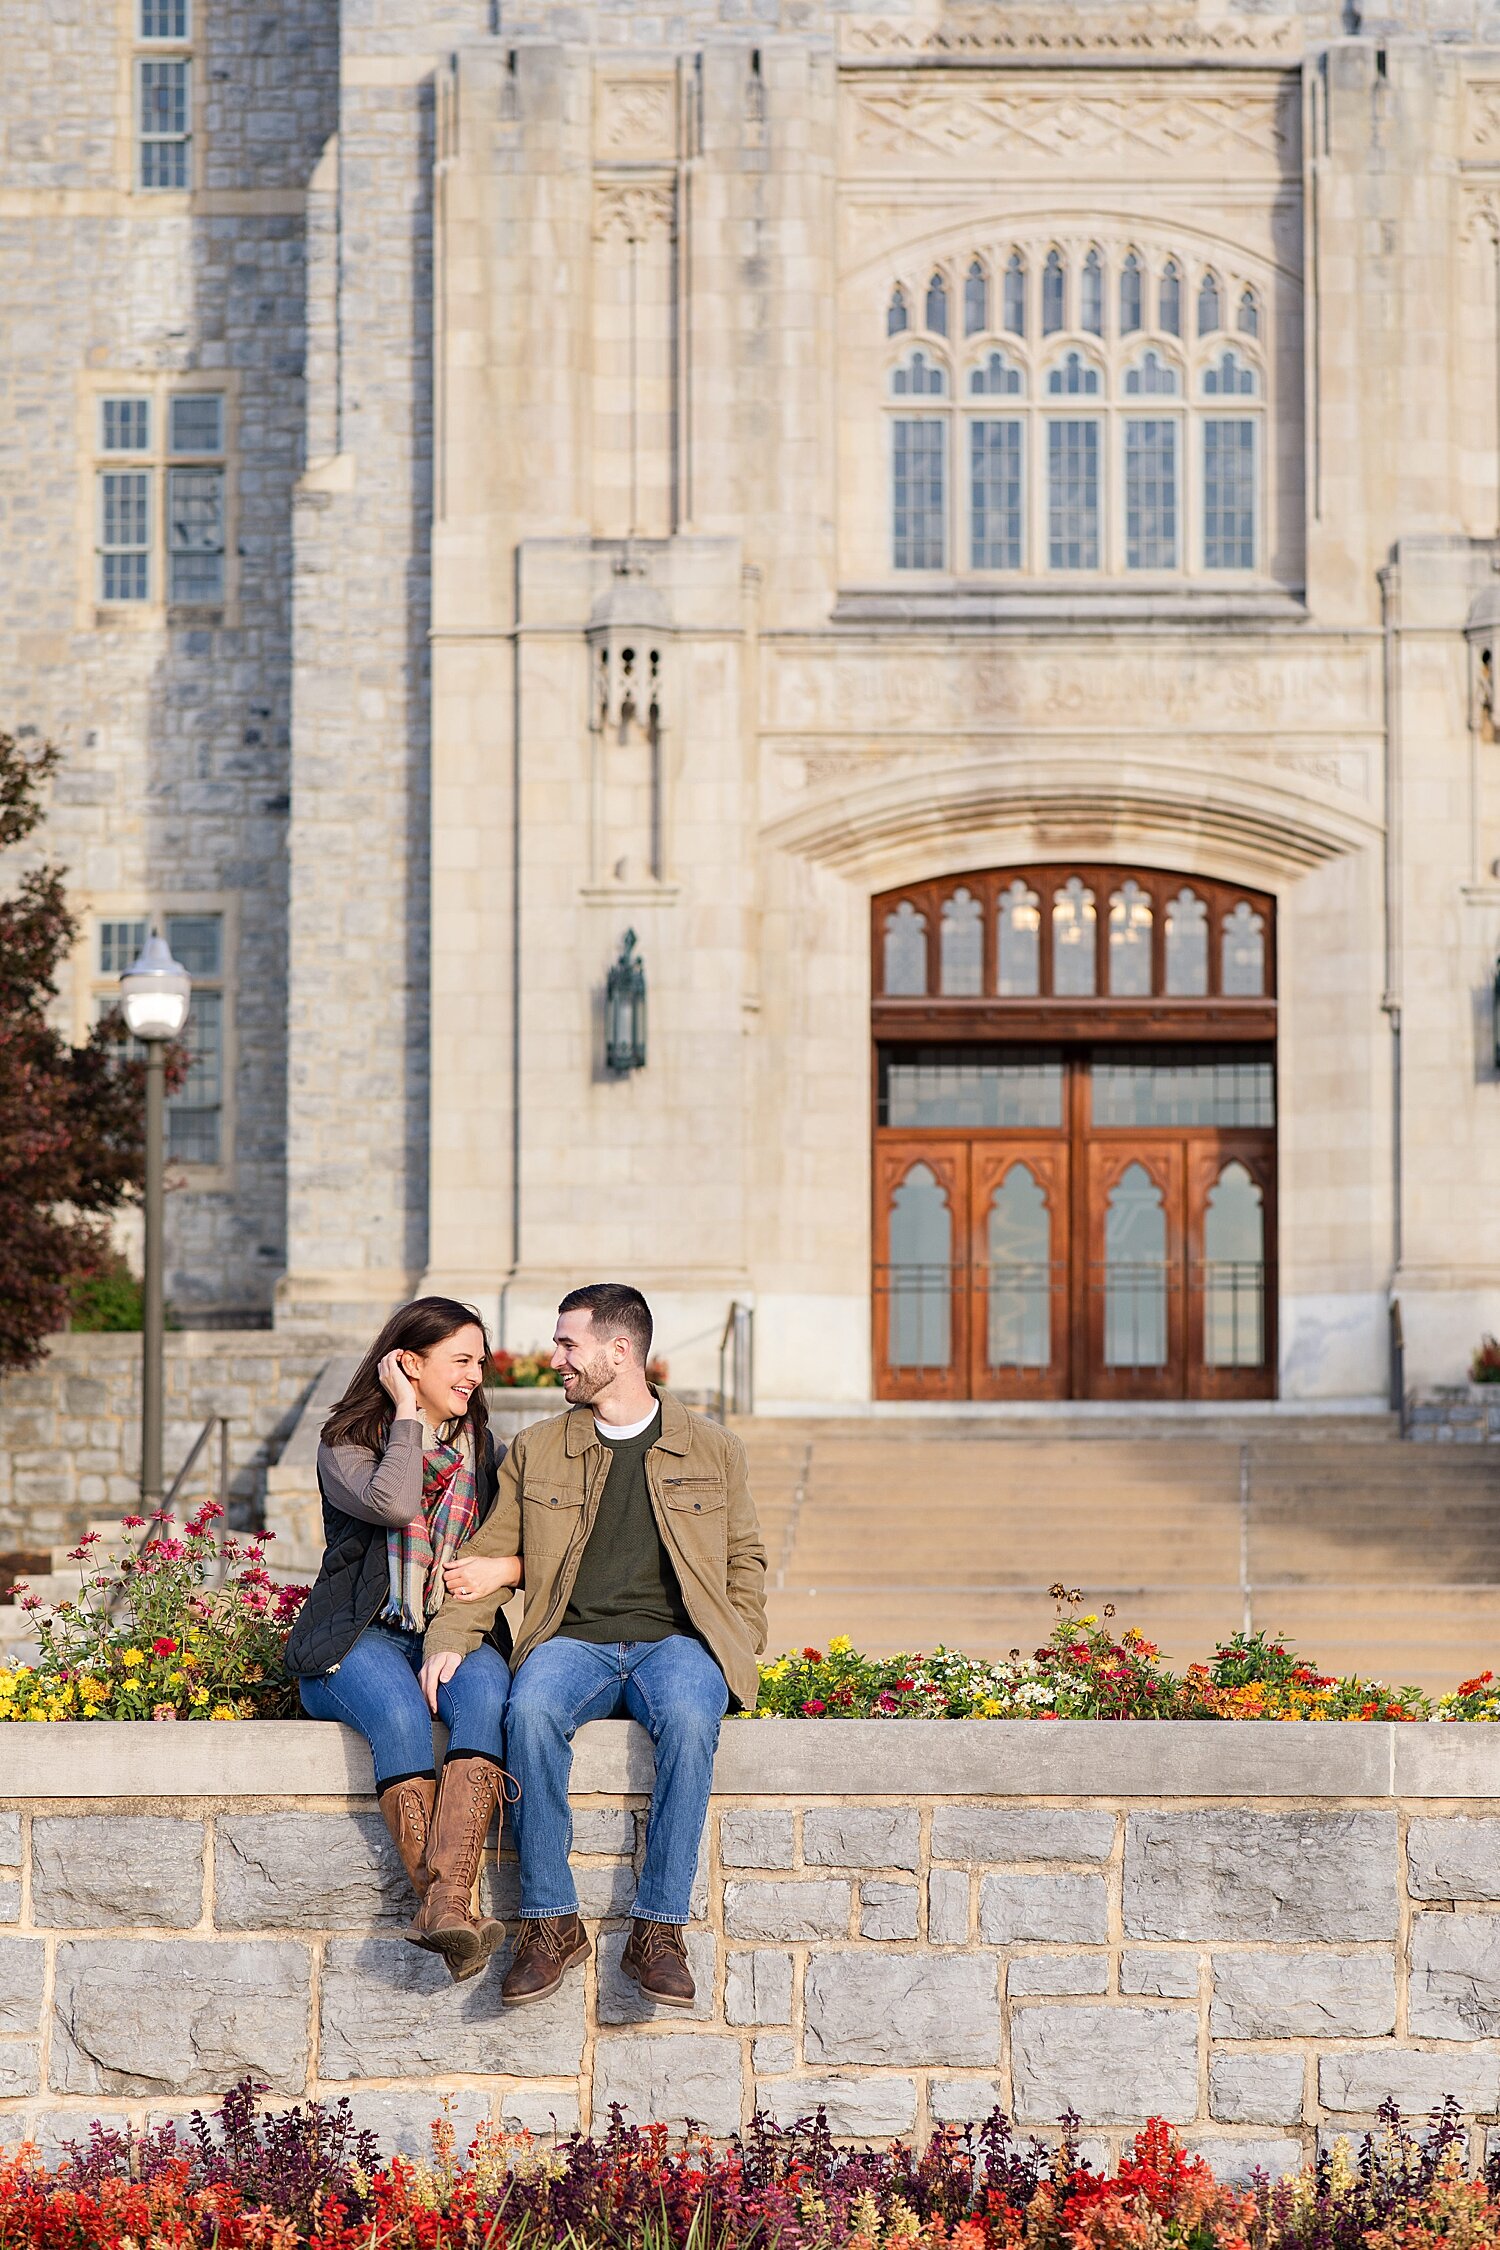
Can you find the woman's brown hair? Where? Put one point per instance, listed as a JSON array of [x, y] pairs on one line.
[[364, 1414]]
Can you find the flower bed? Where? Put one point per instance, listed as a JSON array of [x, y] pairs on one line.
[[308, 2177], [192, 1627]]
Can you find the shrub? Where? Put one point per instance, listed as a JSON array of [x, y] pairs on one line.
[[1484, 1367], [184, 1627], [107, 1302]]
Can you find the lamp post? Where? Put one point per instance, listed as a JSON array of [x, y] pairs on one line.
[[155, 991]]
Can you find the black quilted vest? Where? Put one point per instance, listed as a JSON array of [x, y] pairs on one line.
[[352, 1585]]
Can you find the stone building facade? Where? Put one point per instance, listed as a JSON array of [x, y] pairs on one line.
[[972, 530]]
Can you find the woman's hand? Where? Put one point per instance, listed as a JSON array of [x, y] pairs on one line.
[[397, 1386], [434, 1673], [470, 1578]]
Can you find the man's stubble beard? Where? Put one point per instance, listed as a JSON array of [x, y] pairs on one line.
[[594, 1376]]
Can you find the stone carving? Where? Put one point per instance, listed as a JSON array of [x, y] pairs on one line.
[[1483, 118], [636, 117], [995, 120], [633, 210], [1104, 31]]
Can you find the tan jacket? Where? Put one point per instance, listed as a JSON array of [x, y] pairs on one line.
[[551, 1482]]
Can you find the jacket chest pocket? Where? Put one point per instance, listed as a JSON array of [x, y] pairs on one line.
[[550, 1515], [695, 1496]]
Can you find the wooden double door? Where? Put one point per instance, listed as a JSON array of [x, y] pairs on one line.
[[1084, 1257]]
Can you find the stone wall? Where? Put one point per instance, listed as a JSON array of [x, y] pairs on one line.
[[1459, 1414], [70, 1430], [1257, 1932]]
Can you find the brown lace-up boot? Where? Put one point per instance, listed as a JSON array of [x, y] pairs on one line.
[[446, 1923], [656, 1956], [546, 1946], [407, 1807]]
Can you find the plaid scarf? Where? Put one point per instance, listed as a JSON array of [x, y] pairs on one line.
[[417, 1552]]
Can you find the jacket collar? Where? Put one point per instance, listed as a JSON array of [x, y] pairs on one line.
[[676, 1426]]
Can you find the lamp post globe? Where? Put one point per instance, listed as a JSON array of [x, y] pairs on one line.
[[155, 993]]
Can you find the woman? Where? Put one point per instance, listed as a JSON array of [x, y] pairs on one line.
[[406, 1471]]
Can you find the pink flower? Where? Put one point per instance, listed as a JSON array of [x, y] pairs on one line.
[[162, 1711], [814, 1709], [31, 1601], [132, 1523], [170, 1550]]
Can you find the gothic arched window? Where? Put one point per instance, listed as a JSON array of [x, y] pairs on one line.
[[935, 313], [897, 319], [905, 952], [1129, 942], [1013, 317], [1073, 377], [1169, 299], [1054, 294], [1151, 377], [1244, 968], [1209, 308], [1073, 923], [919, 375], [976, 300], [961, 946], [1130, 295], [1229, 376], [1091, 296], [1187, 946], [1248, 321], [996, 376], [1020, 927]]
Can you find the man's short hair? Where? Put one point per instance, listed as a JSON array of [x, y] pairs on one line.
[[615, 1310]]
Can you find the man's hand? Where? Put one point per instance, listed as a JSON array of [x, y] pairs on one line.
[[470, 1578], [434, 1672]]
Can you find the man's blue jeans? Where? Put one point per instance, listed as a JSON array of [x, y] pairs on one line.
[[677, 1691], [375, 1689]]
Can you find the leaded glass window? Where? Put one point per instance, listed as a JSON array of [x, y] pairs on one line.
[[1209, 305], [1244, 959], [897, 319], [1073, 377], [1228, 495], [1187, 946], [125, 425], [1020, 932], [1018, 1308], [1054, 294], [1131, 308], [996, 377], [919, 375], [1072, 495], [936, 312], [1151, 377], [919, 460], [1234, 1271], [1014, 317], [996, 452], [1073, 923], [1229, 376], [1130, 942], [905, 952], [1248, 321], [961, 946], [1091, 296], [976, 300], [1169, 299], [1151, 494], [921, 1269]]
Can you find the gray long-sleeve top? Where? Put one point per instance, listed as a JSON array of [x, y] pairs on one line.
[[377, 1487]]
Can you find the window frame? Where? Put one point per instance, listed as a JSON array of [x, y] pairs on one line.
[[1113, 353], [93, 988], [160, 460]]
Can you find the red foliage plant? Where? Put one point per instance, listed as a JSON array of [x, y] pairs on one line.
[[71, 1122]]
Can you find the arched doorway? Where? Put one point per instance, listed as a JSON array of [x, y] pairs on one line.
[[1075, 1136]]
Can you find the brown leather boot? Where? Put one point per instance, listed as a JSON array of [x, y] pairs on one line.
[[546, 1946], [656, 1956], [445, 1922], [408, 1815]]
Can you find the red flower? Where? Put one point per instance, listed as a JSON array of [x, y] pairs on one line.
[[814, 1709], [132, 1523], [163, 1648], [813, 1655]]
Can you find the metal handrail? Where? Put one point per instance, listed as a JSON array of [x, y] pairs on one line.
[[737, 1362], [155, 1528]]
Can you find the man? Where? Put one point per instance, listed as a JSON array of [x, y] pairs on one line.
[[645, 1597]]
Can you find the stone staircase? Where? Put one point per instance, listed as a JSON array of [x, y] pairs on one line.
[[1373, 1555]]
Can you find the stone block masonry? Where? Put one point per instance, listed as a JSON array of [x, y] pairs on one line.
[[1260, 1933]]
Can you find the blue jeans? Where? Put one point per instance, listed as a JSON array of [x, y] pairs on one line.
[[375, 1690], [677, 1691]]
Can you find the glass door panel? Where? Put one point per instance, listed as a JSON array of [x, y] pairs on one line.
[[1018, 1323], [1231, 1299], [921, 1311], [1135, 1251]]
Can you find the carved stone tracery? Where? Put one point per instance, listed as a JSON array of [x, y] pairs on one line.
[[633, 210]]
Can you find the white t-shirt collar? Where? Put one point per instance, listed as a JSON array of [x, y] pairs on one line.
[[618, 1430]]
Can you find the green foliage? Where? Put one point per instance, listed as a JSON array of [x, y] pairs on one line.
[[106, 1302]]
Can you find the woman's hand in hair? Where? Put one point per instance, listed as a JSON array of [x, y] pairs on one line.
[[470, 1578], [397, 1386], [434, 1673]]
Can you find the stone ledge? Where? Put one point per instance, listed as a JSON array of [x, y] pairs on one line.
[[792, 1757]]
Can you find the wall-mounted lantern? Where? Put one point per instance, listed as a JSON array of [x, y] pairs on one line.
[[625, 1010]]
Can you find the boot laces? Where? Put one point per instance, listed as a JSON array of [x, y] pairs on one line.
[[661, 1937], [547, 1933]]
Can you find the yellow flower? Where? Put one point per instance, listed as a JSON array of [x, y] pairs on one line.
[[1091, 1619], [991, 1707], [92, 1690], [132, 1657], [199, 1695], [174, 1679], [841, 1645], [221, 1710]]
